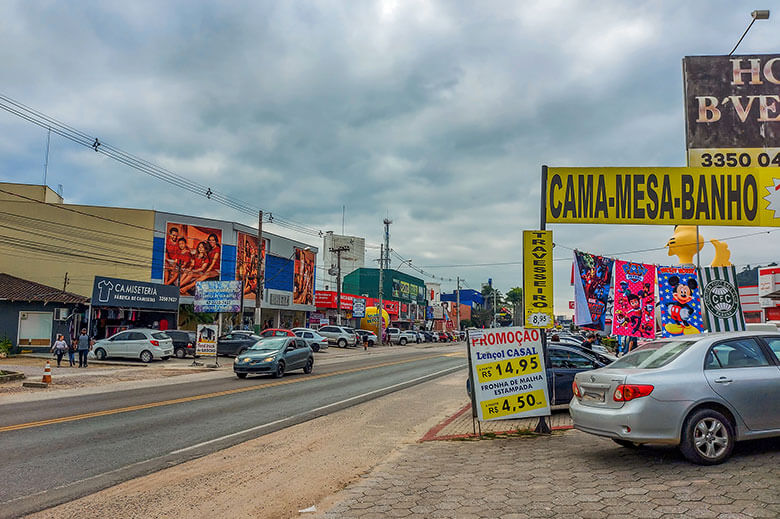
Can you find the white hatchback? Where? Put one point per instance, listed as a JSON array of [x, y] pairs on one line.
[[138, 343]]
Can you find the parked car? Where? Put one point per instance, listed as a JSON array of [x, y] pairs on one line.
[[363, 334], [604, 358], [442, 336], [184, 342], [420, 336], [277, 332], [235, 343], [339, 335], [138, 343], [429, 336], [565, 362], [702, 393], [314, 340], [393, 334], [275, 356]]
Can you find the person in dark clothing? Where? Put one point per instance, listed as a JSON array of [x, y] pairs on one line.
[[83, 348], [588, 342]]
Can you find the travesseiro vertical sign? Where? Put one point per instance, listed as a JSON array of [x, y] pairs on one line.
[[510, 380], [538, 279]]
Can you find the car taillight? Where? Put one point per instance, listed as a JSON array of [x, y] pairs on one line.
[[154, 343], [626, 392], [576, 390]]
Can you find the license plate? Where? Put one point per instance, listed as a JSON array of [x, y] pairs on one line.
[[593, 397]]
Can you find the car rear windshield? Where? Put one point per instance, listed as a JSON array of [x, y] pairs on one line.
[[653, 355], [160, 335]]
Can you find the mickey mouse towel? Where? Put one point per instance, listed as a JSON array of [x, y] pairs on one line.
[[680, 301]]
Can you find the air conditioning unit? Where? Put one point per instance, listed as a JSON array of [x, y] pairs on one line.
[[61, 314]]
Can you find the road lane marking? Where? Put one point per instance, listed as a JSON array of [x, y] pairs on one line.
[[151, 405], [317, 410]]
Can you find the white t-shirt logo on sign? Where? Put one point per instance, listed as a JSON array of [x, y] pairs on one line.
[[105, 288]]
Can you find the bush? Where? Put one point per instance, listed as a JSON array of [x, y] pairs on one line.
[[5, 345]]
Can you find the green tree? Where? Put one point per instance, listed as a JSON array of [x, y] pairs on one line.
[[514, 297]]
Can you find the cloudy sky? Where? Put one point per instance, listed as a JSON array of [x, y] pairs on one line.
[[436, 114]]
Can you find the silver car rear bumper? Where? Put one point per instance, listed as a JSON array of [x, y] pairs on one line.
[[644, 420]]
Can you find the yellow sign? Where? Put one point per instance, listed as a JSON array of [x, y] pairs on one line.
[[664, 196], [538, 279], [514, 404], [508, 368]]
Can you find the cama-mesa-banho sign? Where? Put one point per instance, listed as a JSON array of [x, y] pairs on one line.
[[664, 196], [510, 381]]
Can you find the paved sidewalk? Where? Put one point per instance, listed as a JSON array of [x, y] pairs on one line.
[[567, 475], [460, 425]]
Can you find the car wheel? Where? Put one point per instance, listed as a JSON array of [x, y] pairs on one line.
[[181, 353], [626, 443], [342, 343], [315, 347], [402, 342], [241, 375], [708, 437], [371, 343], [309, 366], [100, 354], [279, 373], [146, 356]]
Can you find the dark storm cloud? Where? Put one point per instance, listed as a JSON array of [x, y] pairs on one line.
[[438, 114]]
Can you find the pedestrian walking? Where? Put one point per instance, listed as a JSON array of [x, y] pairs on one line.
[[72, 353], [365, 342], [59, 348], [83, 348]]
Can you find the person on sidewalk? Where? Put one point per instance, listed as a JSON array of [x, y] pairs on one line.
[[72, 353], [59, 348], [83, 348]]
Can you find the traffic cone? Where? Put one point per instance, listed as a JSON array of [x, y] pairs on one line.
[[47, 373]]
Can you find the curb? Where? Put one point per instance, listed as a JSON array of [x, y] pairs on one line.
[[11, 375], [91, 361]]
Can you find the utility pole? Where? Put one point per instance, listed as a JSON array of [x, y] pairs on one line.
[[260, 273], [386, 255], [65, 283], [381, 283], [178, 286], [338, 251], [457, 302]]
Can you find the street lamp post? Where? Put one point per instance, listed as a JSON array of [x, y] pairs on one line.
[[762, 14]]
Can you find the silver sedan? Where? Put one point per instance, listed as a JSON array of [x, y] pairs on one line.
[[702, 393]]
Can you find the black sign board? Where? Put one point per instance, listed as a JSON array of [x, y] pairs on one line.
[[126, 293], [732, 102]]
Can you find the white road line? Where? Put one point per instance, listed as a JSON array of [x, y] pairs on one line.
[[299, 415]]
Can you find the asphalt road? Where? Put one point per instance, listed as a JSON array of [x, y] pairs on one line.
[[60, 449]]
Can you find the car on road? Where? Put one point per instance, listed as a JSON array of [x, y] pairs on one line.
[[314, 340], [276, 332], [274, 356], [137, 343], [341, 336], [184, 342], [702, 393], [367, 335], [235, 343]]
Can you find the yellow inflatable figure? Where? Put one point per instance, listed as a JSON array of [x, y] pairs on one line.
[[371, 320], [683, 245]]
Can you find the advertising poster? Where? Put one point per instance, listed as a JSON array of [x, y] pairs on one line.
[[359, 308], [247, 263], [731, 115], [303, 278], [720, 296], [217, 296], [538, 279], [192, 253], [510, 381], [680, 302], [396, 288], [664, 196], [592, 284], [634, 307], [206, 344]]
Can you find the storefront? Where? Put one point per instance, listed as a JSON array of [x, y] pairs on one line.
[[121, 304]]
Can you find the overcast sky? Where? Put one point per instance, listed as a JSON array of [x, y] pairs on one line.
[[436, 114]]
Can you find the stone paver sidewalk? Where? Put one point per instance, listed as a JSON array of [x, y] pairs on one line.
[[569, 474]]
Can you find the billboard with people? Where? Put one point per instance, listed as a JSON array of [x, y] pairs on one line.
[[303, 278], [192, 253], [247, 262]]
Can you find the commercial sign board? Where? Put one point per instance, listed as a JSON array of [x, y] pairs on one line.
[[359, 308], [206, 343], [538, 279], [508, 372], [126, 293], [217, 296], [732, 110], [664, 196]]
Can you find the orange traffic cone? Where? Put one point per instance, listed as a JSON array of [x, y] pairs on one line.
[[47, 373]]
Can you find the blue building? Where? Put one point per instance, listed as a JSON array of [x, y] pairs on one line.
[[468, 296]]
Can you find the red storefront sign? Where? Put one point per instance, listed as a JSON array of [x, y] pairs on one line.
[[328, 298]]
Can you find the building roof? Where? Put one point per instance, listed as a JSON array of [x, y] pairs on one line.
[[13, 288]]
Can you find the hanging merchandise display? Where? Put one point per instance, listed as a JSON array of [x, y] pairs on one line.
[[592, 285], [680, 301], [634, 309], [720, 297]]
